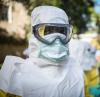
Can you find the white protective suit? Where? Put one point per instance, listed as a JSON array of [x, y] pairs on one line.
[[38, 77], [83, 52]]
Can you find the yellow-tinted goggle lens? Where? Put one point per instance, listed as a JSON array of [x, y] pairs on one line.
[[41, 30]]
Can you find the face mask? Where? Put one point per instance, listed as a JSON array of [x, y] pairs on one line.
[[56, 52]]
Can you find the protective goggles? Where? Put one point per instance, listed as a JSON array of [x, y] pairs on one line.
[[56, 31]]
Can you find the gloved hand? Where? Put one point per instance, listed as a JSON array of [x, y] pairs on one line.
[[95, 90]]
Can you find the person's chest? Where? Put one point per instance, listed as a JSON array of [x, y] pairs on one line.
[[40, 84]]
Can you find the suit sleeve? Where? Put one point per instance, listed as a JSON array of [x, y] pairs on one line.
[[6, 73]]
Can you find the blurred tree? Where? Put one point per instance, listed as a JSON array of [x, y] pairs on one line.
[[30, 4], [98, 23], [79, 11]]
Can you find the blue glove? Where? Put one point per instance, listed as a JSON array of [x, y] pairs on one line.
[[95, 90]]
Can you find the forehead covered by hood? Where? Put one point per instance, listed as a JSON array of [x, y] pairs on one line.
[[48, 14]]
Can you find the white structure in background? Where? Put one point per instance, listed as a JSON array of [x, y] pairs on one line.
[[14, 18], [10, 13], [87, 37]]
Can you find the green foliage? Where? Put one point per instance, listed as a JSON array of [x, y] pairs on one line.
[[79, 11], [0, 66], [30, 4], [96, 19]]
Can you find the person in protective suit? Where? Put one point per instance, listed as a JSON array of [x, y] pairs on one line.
[[49, 71], [85, 54], [95, 90]]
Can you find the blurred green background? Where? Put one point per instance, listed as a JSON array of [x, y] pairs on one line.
[[15, 27]]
